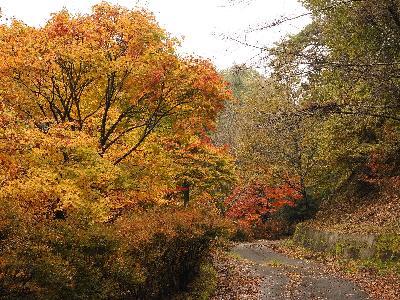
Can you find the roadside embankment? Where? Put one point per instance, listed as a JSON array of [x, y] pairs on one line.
[[382, 246]]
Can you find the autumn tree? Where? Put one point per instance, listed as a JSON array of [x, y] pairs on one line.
[[113, 73], [110, 78], [99, 119]]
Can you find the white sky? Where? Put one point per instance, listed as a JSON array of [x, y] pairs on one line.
[[200, 22]]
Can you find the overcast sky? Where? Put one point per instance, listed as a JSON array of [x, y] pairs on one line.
[[200, 22]]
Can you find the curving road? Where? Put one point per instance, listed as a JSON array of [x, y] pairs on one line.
[[288, 278]]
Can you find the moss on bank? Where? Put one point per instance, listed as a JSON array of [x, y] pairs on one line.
[[379, 251]]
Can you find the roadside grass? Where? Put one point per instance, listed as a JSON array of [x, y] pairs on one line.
[[203, 286], [235, 256], [273, 263]]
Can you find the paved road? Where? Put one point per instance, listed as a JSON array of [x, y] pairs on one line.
[[288, 278]]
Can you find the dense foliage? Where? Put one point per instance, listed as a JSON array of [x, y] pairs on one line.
[[111, 183], [103, 127], [325, 120]]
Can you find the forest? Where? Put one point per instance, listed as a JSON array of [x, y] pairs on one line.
[[129, 171]]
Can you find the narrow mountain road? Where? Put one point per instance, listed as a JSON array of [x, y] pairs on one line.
[[287, 278]]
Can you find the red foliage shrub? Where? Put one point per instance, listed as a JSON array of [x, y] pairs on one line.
[[252, 206]]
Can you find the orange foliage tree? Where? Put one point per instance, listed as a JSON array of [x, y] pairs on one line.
[[113, 74], [99, 117], [252, 205], [109, 83]]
